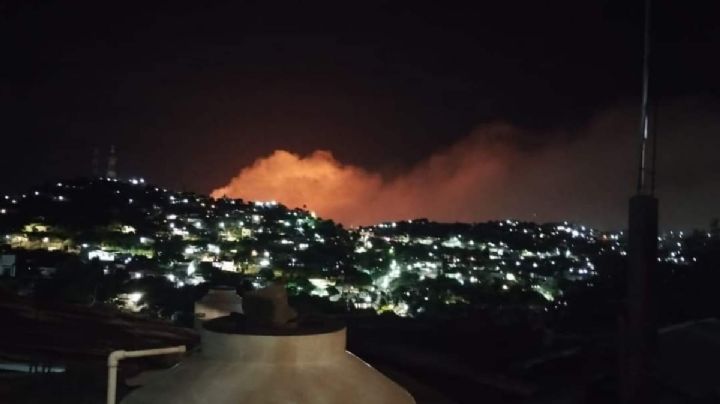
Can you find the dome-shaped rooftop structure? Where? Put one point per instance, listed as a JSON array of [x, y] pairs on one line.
[[254, 362]]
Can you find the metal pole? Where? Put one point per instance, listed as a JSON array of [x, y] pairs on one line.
[[641, 184], [653, 164], [638, 325]]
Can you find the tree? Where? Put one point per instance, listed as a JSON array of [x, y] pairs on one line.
[[356, 278], [267, 274], [170, 249]]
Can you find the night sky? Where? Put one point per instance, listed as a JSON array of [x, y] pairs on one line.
[[369, 111]]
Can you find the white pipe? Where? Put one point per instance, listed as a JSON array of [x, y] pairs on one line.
[[116, 356]]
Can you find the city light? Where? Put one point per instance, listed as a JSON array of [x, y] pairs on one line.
[[402, 267], [135, 297]]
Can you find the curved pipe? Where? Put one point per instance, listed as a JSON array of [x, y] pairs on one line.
[[116, 356]]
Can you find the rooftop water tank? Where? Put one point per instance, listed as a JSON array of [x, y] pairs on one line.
[[241, 364]]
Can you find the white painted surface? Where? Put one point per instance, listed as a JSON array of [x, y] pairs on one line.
[[254, 369]]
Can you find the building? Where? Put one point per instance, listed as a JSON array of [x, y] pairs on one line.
[[7, 265]]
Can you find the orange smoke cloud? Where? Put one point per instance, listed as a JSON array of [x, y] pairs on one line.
[[317, 181], [493, 173], [443, 187]]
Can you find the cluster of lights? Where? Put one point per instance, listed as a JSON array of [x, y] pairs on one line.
[[387, 250]]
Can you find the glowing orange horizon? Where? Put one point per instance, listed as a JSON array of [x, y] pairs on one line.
[[443, 187], [583, 176]]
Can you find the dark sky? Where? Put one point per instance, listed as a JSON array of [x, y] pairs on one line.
[[191, 92]]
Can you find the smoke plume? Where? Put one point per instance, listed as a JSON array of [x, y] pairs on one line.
[[499, 171]]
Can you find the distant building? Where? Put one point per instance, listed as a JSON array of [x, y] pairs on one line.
[[47, 271], [101, 255], [7, 265]]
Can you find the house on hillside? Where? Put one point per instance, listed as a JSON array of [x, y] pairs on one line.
[[7, 265]]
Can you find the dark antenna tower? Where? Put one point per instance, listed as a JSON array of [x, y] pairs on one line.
[[112, 163], [638, 321], [95, 162]]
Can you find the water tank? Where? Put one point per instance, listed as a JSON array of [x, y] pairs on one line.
[[306, 364]]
